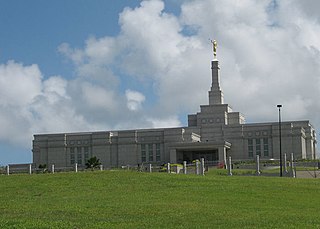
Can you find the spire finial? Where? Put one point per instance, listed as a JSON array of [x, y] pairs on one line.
[[214, 48]]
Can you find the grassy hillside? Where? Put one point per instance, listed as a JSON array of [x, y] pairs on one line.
[[121, 199]]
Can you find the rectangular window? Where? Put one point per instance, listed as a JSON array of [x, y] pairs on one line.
[[72, 156], [158, 157], [258, 147], [143, 153], [150, 152], [250, 147], [79, 155], [265, 147], [86, 154]]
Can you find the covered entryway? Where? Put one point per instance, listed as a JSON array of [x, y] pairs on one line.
[[192, 155], [196, 150]]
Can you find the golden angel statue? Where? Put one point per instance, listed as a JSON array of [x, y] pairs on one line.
[[214, 47]]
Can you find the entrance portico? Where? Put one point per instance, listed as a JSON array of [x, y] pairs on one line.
[[196, 150]]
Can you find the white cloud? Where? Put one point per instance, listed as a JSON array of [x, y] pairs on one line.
[[152, 38], [134, 100], [29, 104], [18, 84], [75, 55], [55, 88], [262, 63], [97, 97], [168, 122]]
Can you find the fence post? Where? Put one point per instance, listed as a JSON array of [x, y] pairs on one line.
[[30, 169], [76, 167], [202, 166], [285, 168], [168, 167], [101, 167], [150, 168], [52, 168], [293, 172], [197, 167], [184, 167], [177, 169], [257, 165], [8, 170], [229, 167]]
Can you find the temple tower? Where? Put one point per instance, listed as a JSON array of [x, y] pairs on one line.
[[215, 94]]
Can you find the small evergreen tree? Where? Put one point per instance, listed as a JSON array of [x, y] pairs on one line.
[[93, 163], [43, 167]]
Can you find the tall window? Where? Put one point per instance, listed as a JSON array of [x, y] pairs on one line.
[[258, 147], [79, 155], [72, 156], [150, 152], [158, 157], [250, 147], [143, 153], [86, 154], [265, 147]]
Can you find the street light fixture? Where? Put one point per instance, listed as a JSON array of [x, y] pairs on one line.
[[279, 107]]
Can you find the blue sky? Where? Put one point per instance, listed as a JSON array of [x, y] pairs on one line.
[[33, 30], [102, 65]]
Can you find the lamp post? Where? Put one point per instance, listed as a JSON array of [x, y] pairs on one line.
[[280, 150]]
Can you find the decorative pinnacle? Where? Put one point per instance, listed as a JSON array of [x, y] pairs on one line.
[[214, 48]]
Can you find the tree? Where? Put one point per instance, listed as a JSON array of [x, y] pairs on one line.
[[93, 163], [43, 167]]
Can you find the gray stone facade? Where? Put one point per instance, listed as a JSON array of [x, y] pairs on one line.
[[214, 133]]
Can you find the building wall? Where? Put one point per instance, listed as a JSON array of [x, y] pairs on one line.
[[127, 146]]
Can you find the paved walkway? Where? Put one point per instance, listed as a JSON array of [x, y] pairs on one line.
[[308, 174]]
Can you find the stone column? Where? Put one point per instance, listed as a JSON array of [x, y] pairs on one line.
[[292, 171], [110, 151], [76, 167], [229, 167], [150, 168], [30, 169], [257, 165], [177, 169], [223, 155], [173, 156], [285, 168], [168, 168], [8, 170], [197, 167], [184, 167], [52, 168], [202, 167], [101, 167]]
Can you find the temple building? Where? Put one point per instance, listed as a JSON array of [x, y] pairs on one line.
[[214, 133]]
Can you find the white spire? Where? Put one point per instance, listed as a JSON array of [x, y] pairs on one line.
[[215, 94]]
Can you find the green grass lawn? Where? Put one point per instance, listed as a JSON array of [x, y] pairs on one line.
[[122, 199]]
